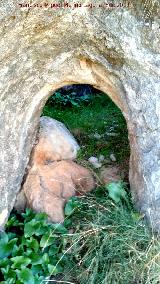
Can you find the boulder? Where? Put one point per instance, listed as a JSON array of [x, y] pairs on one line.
[[54, 143], [47, 188]]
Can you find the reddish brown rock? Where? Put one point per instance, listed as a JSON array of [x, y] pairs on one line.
[[48, 187]]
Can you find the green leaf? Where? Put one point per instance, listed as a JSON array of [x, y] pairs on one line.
[[54, 269], [28, 215], [9, 281], [6, 247], [30, 228], [31, 243], [45, 258], [25, 276], [47, 240], [10, 276], [20, 261], [58, 229], [37, 269], [53, 250], [68, 209], [70, 206], [116, 191], [5, 270], [35, 227], [12, 221], [17, 250], [41, 216], [4, 262], [4, 237], [35, 258]]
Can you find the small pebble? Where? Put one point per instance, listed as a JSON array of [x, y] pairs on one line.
[[97, 136], [94, 162], [101, 158], [112, 158]]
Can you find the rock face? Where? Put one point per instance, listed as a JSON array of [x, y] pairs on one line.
[[55, 143], [115, 50]]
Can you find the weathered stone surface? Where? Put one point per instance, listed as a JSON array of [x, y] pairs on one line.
[[115, 50], [54, 143], [48, 187]]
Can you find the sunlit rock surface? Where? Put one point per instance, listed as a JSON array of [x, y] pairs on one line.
[[116, 50]]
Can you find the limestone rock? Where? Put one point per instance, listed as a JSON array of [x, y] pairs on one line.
[[110, 174], [55, 143], [115, 50], [47, 188]]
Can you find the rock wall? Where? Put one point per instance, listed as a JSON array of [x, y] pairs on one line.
[[115, 50]]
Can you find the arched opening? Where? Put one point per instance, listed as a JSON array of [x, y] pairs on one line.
[[96, 148], [102, 236]]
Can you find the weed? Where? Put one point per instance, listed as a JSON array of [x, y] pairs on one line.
[[30, 249], [101, 241], [112, 243]]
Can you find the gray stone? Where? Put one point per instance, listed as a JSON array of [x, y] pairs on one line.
[[54, 142], [115, 50], [112, 157], [95, 163], [97, 136]]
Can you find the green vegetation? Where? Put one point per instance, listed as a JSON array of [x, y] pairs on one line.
[[98, 115], [111, 244], [70, 99], [103, 239], [30, 249]]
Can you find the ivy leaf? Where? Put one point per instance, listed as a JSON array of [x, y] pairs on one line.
[[35, 258], [47, 240], [6, 247], [116, 191], [4, 262], [25, 276], [53, 250], [31, 243], [58, 229], [41, 216], [45, 258], [17, 250], [70, 206], [12, 222], [30, 228], [10, 276], [28, 215], [55, 269], [68, 209], [37, 269], [20, 261], [35, 227]]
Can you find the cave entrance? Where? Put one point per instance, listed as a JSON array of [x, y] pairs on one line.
[[94, 153], [95, 121]]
